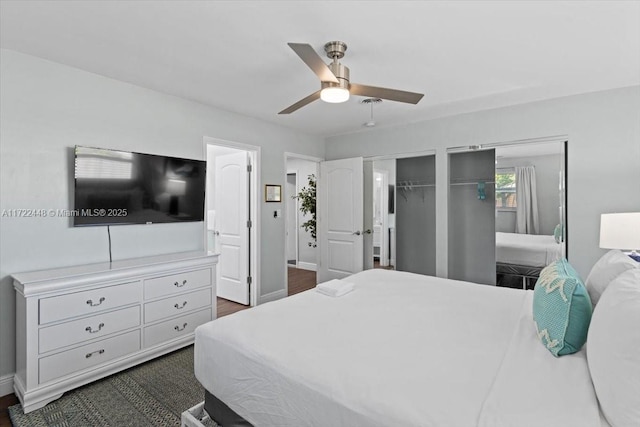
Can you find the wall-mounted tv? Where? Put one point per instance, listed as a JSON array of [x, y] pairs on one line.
[[120, 187]]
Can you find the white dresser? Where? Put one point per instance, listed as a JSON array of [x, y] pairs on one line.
[[78, 324]]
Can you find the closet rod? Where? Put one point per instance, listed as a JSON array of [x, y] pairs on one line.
[[415, 186], [472, 183]]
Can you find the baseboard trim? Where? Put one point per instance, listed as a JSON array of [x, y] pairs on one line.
[[307, 266], [273, 296], [6, 385]]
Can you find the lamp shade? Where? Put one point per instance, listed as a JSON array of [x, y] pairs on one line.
[[620, 231], [176, 187]]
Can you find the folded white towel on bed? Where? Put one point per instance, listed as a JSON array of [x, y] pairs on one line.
[[334, 288]]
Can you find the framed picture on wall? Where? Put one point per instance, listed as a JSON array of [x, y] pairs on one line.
[[272, 193]]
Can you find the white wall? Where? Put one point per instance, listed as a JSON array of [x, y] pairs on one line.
[[47, 108], [603, 156], [307, 255]]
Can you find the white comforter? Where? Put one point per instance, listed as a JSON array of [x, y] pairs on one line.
[[527, 249], [400, 350]]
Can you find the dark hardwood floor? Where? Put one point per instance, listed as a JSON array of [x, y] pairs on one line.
[[299, 281], [226, 307], [5, 402]]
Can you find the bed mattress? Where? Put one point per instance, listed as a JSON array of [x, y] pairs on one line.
[[401, 349], [526, 249]]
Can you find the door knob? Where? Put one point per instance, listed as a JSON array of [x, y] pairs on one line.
[[216, 233], [357, 233], [367, 231]]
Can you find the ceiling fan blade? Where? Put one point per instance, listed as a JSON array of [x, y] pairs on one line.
[[304, 101], [385, 93], [313, 60]]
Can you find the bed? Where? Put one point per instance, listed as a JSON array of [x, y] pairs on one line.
[[525, 254], [401, 349]]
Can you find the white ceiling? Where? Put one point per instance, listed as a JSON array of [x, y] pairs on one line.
[[464, 56]]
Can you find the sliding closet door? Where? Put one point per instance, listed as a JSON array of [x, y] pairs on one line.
[[416, 215], [472, 237]]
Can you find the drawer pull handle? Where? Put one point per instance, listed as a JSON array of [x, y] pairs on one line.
[[184, 282], [178, 328], [88, 355], [90, 302], [91, 331], [180, 307]]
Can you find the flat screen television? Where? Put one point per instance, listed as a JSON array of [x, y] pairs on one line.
[[120, 187]]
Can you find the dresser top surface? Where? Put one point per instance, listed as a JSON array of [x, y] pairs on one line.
[[111, 267]]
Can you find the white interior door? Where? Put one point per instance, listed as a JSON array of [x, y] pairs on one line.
[[232, 226], [340, 218]]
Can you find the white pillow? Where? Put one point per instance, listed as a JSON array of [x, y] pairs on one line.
[[611, 265], [613, 350]]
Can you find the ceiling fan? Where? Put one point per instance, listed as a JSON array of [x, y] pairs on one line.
[[334, 79]]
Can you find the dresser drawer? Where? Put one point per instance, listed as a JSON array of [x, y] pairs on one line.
[[172, 284], [77, 359], [88, 302], [77, 331], [175, 328], [176, 304]]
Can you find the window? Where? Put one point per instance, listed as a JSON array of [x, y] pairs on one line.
[[95, 163], [506, 189]]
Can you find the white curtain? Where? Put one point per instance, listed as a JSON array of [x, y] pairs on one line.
[[527, 221]]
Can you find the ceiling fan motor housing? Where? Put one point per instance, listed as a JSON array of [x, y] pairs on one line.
[[335, 49], [342, 74]]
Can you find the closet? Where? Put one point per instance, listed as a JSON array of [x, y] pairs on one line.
[[471, 216], [415, 215], [506, 211]]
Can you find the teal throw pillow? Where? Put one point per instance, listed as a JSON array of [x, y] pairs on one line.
[[557, 233], [561, 309]]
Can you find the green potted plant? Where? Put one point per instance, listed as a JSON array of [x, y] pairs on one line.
[[307, 198]]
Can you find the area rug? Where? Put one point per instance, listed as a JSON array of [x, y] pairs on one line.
[[152, 394]]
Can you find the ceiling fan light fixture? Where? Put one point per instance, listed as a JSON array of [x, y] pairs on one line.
[[335, 86], [334, 95]]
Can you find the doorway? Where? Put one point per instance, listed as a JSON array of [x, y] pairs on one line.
[[290, 192], [300, 248], [232, 209], [400, 211]]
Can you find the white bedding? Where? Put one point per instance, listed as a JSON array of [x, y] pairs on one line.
[[527, 249], [401, 349]]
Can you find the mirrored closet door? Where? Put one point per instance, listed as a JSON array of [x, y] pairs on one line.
[[506, 211], [530, 210]]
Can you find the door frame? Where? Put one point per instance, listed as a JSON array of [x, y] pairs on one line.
[[287, 156], [384, 234], [293, 172], [254, 209]]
